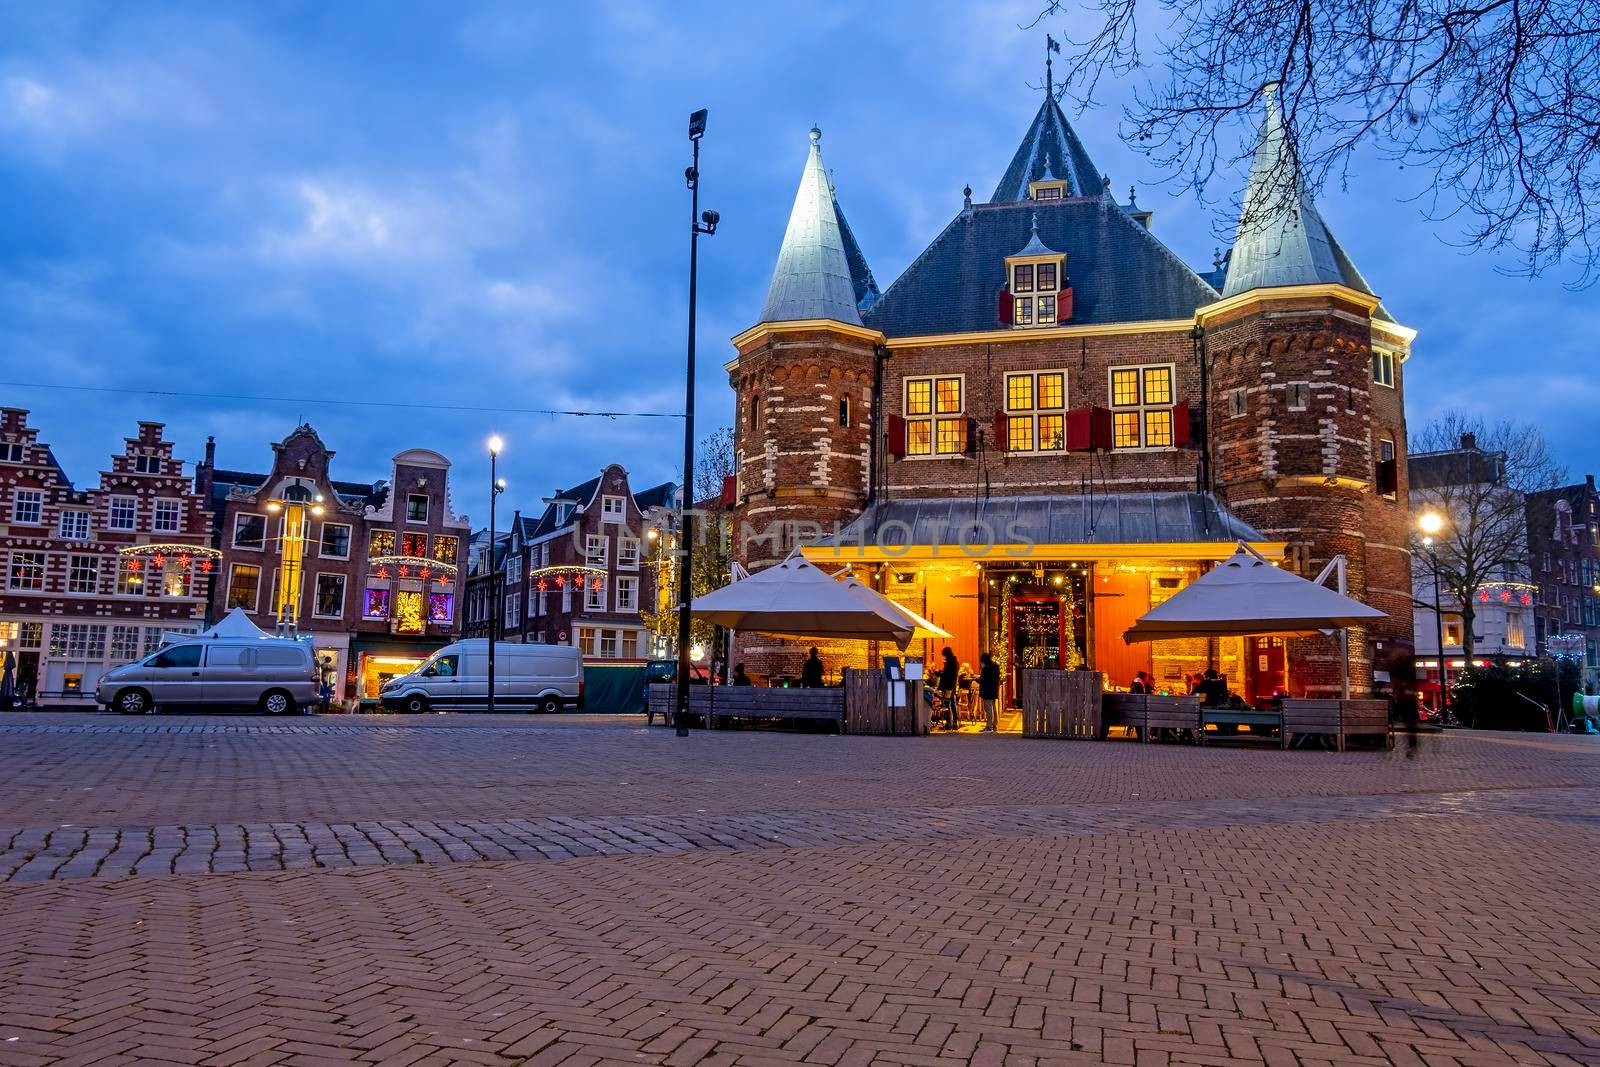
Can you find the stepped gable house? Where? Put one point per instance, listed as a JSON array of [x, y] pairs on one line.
[[375, 574], [1048, 380], [95, 576]]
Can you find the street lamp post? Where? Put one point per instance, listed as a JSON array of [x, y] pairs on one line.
[[699, 223], [1431, 522], [496, 486]]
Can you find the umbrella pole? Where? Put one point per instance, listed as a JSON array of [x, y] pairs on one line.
[[1344, 634]]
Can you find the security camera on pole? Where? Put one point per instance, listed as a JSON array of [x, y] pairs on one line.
[[699, 223]]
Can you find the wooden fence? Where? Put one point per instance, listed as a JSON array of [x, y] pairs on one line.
[[867, 709], [1151, 712], [1338, 718], [1062, 704], [711, 703]]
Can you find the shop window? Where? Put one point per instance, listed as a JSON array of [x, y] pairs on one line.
[[586, 641], [935, 416], [417, 507], [27, 570], [612, 509], [1383, 368], [1035, 411], [445, 548], [74, 526], [608, 644], [124, 644], [1141, 407], [249, 531], [329, 602], [244, 586], [380, 543], [627, 594], [27, 507], [335, 540], [167, 517], [85, 641], [123, 512], [83, 574]]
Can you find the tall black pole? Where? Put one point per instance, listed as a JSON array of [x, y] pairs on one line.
[[686, 533], [1438, 626], [494, 573]]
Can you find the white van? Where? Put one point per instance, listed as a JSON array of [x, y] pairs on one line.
[[276, 675], [542, 678]]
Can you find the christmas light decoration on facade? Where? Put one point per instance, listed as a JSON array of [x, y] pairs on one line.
[[578, 576], [413, 566]]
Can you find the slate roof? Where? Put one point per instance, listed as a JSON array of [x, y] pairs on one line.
[[1106, 518], [1049, 148], [862, 282], [656, 496], [1119, 271], [1282, 238], [360, 493], [1455, 467], [813, 278]]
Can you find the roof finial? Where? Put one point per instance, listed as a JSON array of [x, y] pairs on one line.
[[1035, 224], [1216, 259], [1133, 194], [966, 197], [1105, 184], [816, 135], [1050, 45]]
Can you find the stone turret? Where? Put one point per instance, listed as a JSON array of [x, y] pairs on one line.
[[1306, 408]]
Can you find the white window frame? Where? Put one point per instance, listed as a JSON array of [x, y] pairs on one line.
[[316, 593], [613, 509], [146, 463], [155, 515], [42, 562], [80, 518], [35, 498], [13, 452], [350, 539], [586, 641], [233, 573], [614, 637], [427, 507], [1033, 412], [76, 572], [594, 594], [1383, 367], [630, 586], [132, 503], [591, 557], [934, 416], [566, 599], [1143, 408], [123, 646], [627, 560], [512, 613], [1033, 294], [234, 534]]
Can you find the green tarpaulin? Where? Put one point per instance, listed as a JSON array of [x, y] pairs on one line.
[[616, 689]]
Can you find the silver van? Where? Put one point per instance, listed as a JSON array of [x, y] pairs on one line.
[[543, 678], [274, 674]]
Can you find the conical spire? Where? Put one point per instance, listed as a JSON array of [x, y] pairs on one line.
[[1051, 148], [812, 279], [1282, 240]]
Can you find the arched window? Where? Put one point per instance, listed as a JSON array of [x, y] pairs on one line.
[[755, 411], [844, 412]]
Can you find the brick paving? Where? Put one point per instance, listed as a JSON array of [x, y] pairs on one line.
[[582, 890]]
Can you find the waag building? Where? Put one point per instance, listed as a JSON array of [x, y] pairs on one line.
[[1050, 423]]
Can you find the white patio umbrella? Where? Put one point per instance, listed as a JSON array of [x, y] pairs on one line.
[[796, 598], [234, 624], [1245, 595]]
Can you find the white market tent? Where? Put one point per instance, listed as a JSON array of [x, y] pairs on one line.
[[1246, 595], [235, 624], [796, 598]]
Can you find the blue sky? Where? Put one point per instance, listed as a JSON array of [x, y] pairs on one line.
[[482, 205]]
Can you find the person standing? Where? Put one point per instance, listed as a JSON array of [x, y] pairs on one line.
[[989, 691], [949, 677], [1141, 683], [811, 672]]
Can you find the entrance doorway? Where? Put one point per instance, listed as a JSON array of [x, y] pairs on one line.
[[1267, 673]]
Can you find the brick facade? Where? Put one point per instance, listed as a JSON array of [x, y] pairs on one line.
[[1564, 553], [70, 605]]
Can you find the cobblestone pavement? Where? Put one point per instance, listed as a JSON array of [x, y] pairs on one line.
[[475, 890]]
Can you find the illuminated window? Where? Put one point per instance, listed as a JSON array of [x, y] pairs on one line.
[[1452, 630], [130, 578], [594, 594], [380, 543], [935, 416], [1516, 631], [27, 570], [414, 545], [175, 579], [244, 586], [409, 612], [586, 641], [83, 574], [376, 604], [1022, 278], [1141, 402], [1031, 396]]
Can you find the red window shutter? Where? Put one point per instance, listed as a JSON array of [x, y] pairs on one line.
[[1078, 430], [1180, 424], [730, 490], [896, 431], [1006, 303], [1100, 429], [1064, 304], [1002, 432], [970, 445]]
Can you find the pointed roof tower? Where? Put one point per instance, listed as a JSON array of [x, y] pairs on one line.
[[1050, 150], [1282, 240], [813, 278]]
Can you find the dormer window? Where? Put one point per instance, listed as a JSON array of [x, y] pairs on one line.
[[1050, 189], [1036, 292]]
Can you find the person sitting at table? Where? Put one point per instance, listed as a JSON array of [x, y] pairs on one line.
[[1213, 691], [1141, 683], [811, 672], [739, 677]]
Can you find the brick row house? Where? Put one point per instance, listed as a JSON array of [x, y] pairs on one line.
[[1049, 423], [95, 576], [582, 573], [1564, 550], [374, 574]]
